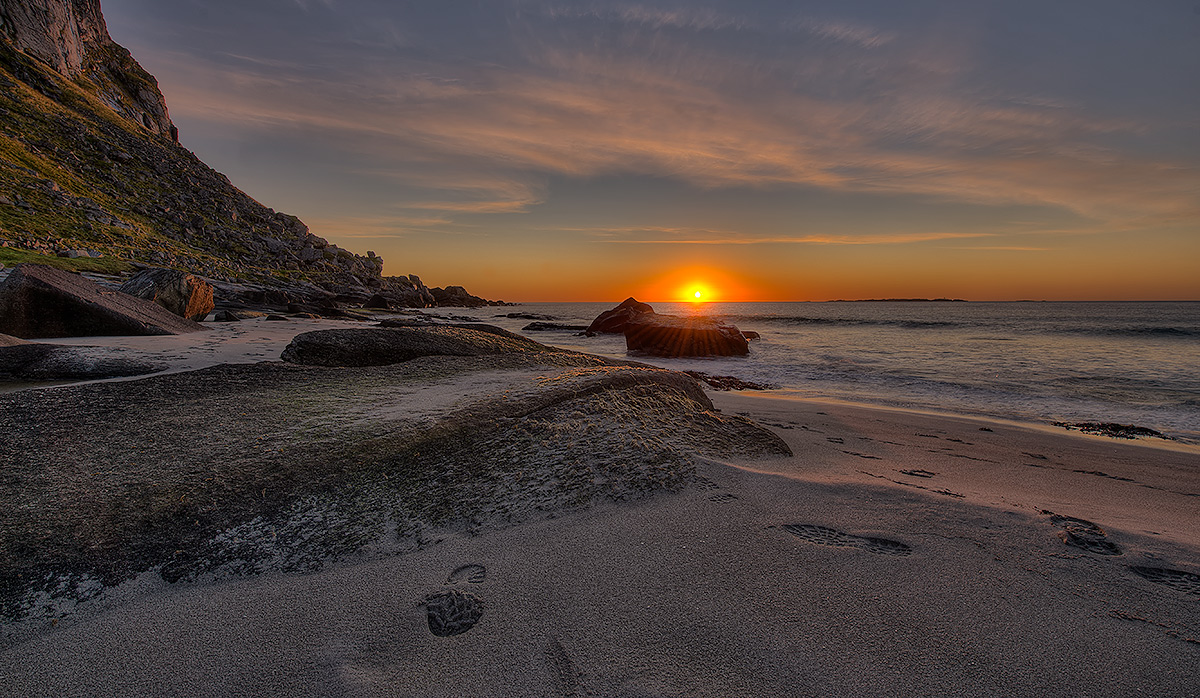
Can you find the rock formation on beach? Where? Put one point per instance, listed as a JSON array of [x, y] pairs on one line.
[[91, 162], [314, 462], [185, 295], [667, 335], [614, 321], [383, 346], [30, 361], [39, 301], [670, 336]]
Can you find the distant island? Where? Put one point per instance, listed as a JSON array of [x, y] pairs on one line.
[[900, 300]]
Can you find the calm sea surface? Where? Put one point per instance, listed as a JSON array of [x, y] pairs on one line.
[[1133, 363]]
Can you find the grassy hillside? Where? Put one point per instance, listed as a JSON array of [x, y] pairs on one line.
[[75, 174]]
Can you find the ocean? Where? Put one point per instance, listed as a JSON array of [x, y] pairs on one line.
[[1039, 362]]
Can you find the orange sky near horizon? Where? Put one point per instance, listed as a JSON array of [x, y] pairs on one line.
[[1120, 270]]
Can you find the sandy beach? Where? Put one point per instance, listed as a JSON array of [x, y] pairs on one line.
[[894, 554]]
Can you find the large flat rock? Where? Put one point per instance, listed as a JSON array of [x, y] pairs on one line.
[[273, 466], [38, 301], [378, 346]]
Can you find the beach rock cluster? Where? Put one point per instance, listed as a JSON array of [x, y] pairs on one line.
[[39, 301], [183, 294]]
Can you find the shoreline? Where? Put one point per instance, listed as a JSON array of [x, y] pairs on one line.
[[1169, 444]]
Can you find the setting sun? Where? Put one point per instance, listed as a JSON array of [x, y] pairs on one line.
[[696, 293]]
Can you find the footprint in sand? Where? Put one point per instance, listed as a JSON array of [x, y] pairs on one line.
[[471, 574], [452, 612], [840, 539], [565, 673], [1083, 534], [1176, 579], [723, 498]]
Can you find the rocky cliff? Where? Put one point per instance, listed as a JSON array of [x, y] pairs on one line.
[[70, 36], [90, 164]]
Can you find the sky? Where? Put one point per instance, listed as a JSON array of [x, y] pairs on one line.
[[568, 150]]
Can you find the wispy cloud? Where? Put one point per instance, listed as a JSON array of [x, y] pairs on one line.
[[682, 17], [666, 107], [864, 36], [638, 235]]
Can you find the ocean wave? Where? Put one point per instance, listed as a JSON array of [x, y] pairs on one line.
[[1007, 326], [842, 321]]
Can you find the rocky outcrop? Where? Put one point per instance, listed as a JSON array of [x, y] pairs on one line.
[[39, 301], [71, 37], [457, 297], [670, 336], [614, 321], [383, 346], [183, 294], [667, 335], [97, 167], [302, 465], [402, 292]]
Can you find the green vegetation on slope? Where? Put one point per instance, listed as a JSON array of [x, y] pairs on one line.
[[76, 174]]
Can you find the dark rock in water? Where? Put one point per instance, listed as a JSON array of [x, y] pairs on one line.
[[1116, 431], [551, 326], [670, 336], [726, 382], [39, 301], [527, 316], [614, 321], [183, 294], [226, 316], [749, 334], [29, 361], [277, 318], [381, 346]]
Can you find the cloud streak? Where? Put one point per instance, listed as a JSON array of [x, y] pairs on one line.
[[705, 97], [697, 236], [581, 114]]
